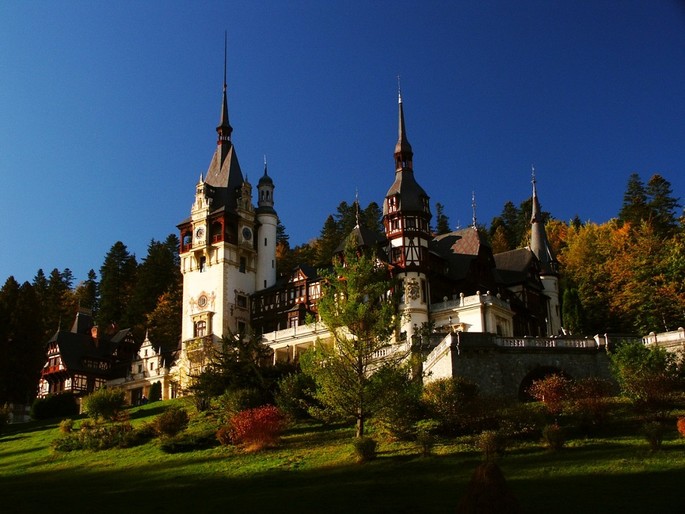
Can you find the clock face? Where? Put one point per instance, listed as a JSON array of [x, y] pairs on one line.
[[200, 233], [247, 234], [202, 301]]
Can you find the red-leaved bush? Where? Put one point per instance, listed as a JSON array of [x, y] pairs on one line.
[[257, 428], [681, 426]]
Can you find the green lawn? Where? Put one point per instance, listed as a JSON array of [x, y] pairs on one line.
[[313, 471]]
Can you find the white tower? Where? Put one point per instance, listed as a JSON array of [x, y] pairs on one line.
[[218, 255], [267, 221], [406, 217]]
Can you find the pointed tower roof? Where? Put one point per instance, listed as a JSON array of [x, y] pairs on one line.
[[539, 244], [412, 195], [224, 174], [402, 147]]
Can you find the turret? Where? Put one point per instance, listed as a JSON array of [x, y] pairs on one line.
[[267, 222], [406, 217], [549, 266]]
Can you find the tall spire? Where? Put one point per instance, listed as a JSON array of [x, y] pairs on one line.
[[224, 129], [403, 151], [539, 244]]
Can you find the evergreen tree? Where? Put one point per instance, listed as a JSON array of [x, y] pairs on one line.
[[372, 218], [282, 238], [328, 242], [21, 343], [357, 309], [662, 205], [59, 303], [572, 312], [117, 281], [634, 209], [164, 321], [157, 274], [87, 292], [441, 219]]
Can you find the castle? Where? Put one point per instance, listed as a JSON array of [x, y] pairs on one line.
[[452, 282]]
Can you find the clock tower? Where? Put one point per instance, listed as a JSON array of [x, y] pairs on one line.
[[219, 253]]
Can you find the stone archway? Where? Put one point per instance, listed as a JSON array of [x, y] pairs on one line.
[[537, 373]]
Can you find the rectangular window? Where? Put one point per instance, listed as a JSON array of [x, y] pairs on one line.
[[241, 301], [243, 264], [203, 264], [265, 241]]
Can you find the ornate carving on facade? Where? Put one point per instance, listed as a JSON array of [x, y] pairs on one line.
[[412, 289]]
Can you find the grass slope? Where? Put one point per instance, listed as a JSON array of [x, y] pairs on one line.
[[313, 471]]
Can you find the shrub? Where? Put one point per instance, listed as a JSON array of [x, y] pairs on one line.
[[66, 426], [188, 442], [94, 437], [492, 443], [223, 435], [138, 436], [155, 392], [54, 406], [294, 395], [365, 449], [589, 401], [647, 375], [554, 437], [552, 391], [523, 419], [104, 403], [398, 402], [654, 433], [681, 426], [425, 435], [453, 402], [236, 400], [488, 493], [257, 428], [171, 422]]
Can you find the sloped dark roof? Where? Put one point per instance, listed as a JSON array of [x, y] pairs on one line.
[[225, 178], [363, 238], [410, 192], [514, 266]]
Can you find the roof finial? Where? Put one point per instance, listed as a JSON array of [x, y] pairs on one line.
[[473, 206], [532, 170], [356, 205], [225, 54], [265, 165], [399, 89], [224, 129]]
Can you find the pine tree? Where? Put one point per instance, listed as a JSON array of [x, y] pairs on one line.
[[117, 281], [441, 219], [328, 242], [634, 209], [662, 205], [357, 309]]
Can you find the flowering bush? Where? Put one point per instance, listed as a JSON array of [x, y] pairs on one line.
[[552, 391], [681, 426], [257, 428]]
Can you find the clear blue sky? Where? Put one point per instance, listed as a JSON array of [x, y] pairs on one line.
[[108, 110]]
